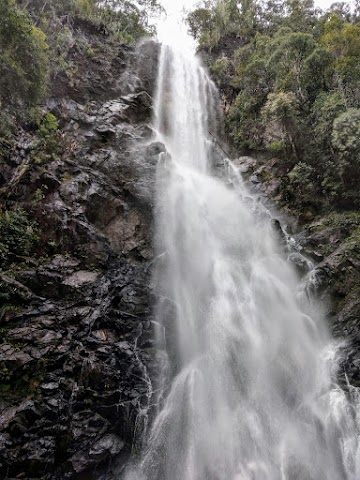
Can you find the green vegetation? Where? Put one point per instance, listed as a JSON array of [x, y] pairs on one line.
[[346, 225], [127, 20], [18, 239], [347, 221], [292, 74], [37, 36], [23, 64], [25, 385], [18, 236], [47, 140]]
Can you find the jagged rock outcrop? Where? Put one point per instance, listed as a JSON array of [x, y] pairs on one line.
[[76, 349]]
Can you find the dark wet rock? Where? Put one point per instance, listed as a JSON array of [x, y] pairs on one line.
[[301, 263], [138, 106], [15, 359], [108, 445], [77, 342], [155, 148], [80, 278], [278, 230], [254, 179], [147, 64], [336, 280], [246, 165]]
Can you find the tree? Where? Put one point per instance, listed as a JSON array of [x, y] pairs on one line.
[[199, 21], [128, 19], [133, 16], [343, 42], [272, 15], [302, 182], [345, 139], [346, 134], [325, 109], [224, 18], [317, 72], [300, 15], [23, 61], [290, 51], [282, 111]]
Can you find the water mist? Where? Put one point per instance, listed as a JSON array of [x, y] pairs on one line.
[[254, 393]]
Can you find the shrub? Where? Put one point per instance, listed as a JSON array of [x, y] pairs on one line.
[[346, 133], [221, 68], [304, 190], [17, 235], [48, 140], [301, 177]]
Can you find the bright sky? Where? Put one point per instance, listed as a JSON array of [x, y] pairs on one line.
[[169, 29], [324, 4]]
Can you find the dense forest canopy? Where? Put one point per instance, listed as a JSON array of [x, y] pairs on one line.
[[292, 77]]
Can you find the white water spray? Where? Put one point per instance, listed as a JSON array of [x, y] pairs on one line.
[[254, 395]]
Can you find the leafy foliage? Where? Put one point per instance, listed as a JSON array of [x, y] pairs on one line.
[[18, 236], [281, 111], [37, 39], [295, 76], [301, 181], [346, 134], [221, 68], [128, 20], [48, 140], [23, 62]]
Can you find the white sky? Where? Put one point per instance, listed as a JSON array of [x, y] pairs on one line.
[[324, 4], [170, 29]]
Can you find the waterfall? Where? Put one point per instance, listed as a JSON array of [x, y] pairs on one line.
[[253, 392]]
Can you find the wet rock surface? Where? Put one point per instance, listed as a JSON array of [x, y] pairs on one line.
[[329, 242], [76, 353]]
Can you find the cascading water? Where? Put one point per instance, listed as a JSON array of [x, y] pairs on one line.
[[253, 394]]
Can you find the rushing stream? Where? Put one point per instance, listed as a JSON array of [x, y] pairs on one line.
[[253, 394]]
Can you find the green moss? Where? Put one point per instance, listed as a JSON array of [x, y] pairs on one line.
[[11, 309], [38, 195], [277, 146]]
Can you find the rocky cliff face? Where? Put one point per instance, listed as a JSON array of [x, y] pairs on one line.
[[77, 351]]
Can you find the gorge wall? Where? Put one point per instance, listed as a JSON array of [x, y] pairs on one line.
[[77, 353], [76, 348]]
